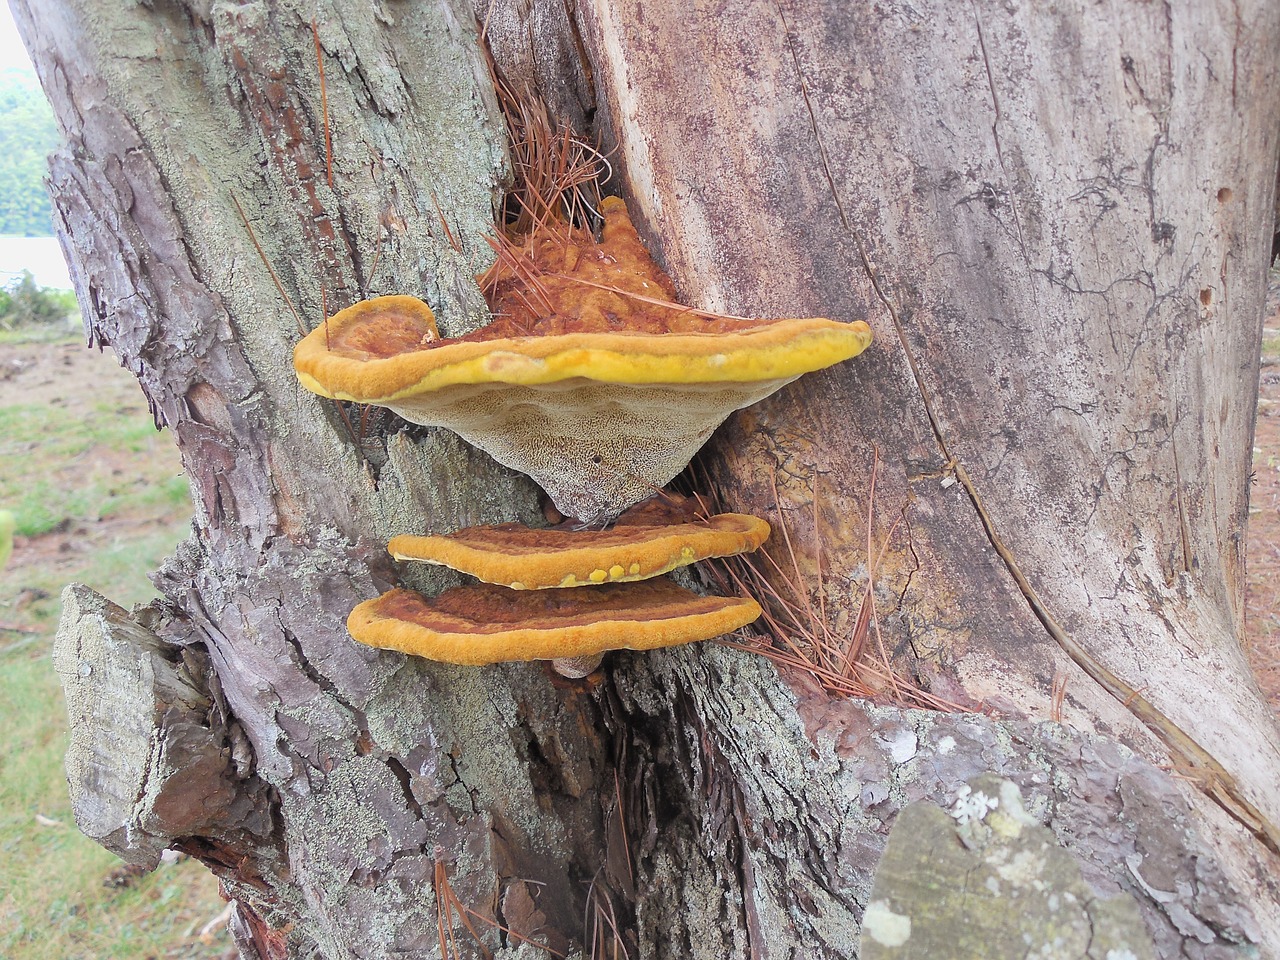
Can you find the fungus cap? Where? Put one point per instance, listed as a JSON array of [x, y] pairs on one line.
[[590, 381], [526, 558], [382, 326], [483, 624]]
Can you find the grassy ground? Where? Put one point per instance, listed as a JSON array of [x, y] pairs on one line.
[[85, 483], [99, 498]]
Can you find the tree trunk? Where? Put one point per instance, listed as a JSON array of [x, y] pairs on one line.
[[1056, 221]]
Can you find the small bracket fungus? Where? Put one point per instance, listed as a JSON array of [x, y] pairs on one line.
[[524, 558], [481, 623], [515, 617], [591, 380]]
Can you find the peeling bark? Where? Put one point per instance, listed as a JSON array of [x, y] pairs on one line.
[[1028, 207]]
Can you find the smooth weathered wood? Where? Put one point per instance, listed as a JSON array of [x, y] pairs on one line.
[[1012, 196]]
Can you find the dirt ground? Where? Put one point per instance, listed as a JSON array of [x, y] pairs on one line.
[[65, 374], [83, 383]]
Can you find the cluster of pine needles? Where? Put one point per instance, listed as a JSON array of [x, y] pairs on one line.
[[557, 183], [796, 630]]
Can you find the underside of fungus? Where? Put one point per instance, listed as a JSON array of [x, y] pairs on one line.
[[650, 539], [591, 379], [482, 623]]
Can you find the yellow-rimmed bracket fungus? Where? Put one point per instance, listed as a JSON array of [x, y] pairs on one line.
[[482, 624], [646, 542], [590, 379]]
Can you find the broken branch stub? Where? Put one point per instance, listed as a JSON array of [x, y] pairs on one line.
[[147, 763]]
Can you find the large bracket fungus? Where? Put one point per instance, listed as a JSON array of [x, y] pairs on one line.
[[591, 379]]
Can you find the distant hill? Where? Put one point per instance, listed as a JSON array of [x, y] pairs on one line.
[[28, 134]]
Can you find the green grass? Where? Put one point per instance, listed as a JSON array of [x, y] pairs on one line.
[[100, 499], [63, 465]]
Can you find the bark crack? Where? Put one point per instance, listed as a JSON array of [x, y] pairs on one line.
[[995, 135], [584, 60], [1209, 775], [1183, 531]]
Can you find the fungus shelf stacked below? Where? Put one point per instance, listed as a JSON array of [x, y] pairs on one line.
[[581, 592]]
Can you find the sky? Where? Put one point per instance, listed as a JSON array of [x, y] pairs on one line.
[[12, 52]]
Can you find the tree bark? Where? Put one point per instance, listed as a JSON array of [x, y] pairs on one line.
[[1056, 221]]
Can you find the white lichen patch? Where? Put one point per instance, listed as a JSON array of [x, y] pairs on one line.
[[900, 743], [884, 926], [1011, 805], [946, 746], [971, 806]]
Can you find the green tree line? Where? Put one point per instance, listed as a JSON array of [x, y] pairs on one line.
[[24, 303], [28, 134]]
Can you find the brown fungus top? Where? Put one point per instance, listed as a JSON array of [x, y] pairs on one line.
[[560, 279], [648, 540], [382, 327], [482, 624]]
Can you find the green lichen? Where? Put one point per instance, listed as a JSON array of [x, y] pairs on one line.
[[1005, 891]]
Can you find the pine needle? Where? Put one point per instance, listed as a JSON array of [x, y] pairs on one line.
[[796, 635], [448, 904], [324, 105], [267, 263]]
